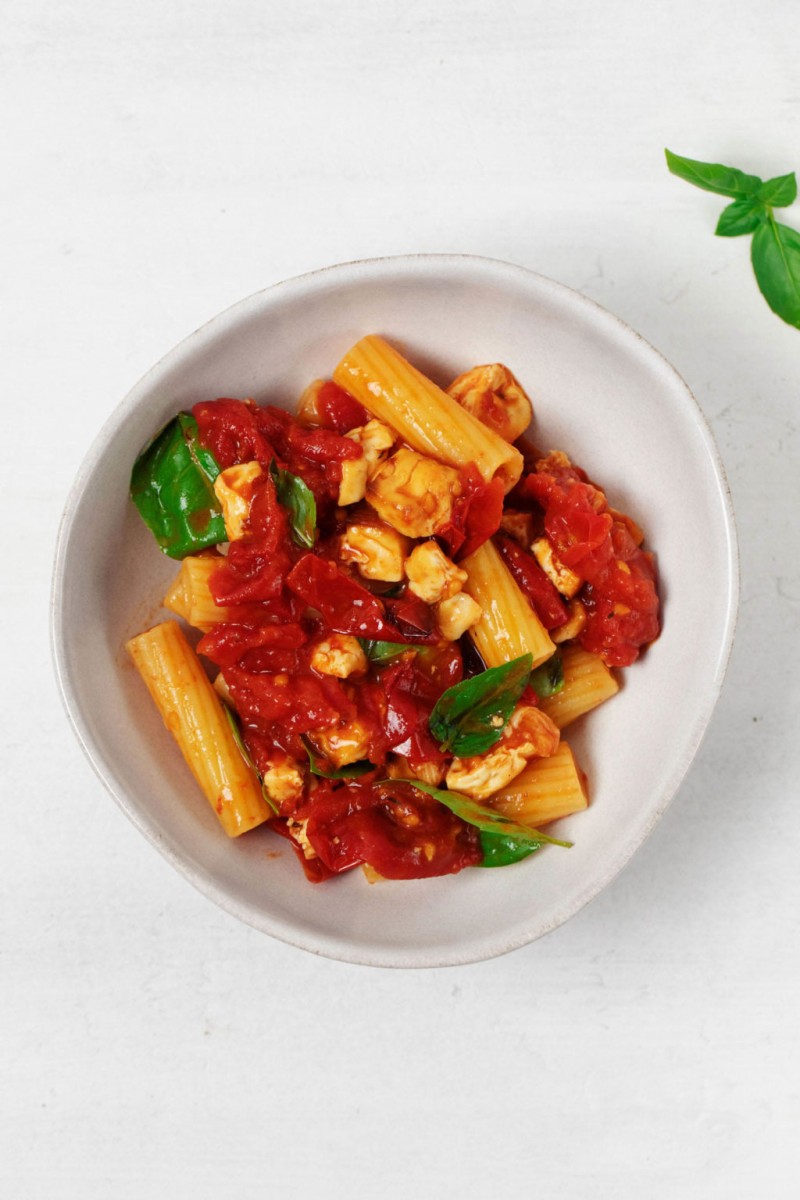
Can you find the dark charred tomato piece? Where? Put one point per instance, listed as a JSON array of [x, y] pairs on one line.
[[230, 430], [345, 606], [338, 410], [532, 581], [399, 831], [414, 618], [476, 514]]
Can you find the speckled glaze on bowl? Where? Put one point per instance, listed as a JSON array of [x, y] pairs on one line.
[[601, 393]]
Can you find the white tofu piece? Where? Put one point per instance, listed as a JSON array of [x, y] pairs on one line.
[[518, 525], [342, 744], [456, 615], [378, 551], [340, 655], [283, 779], [529, 734], [565, 579], [375, 440], [234, 491], [298, 830], [414, 494], [432, 575], [493, 395]]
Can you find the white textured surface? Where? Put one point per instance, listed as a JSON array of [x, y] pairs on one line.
[[161, 161]]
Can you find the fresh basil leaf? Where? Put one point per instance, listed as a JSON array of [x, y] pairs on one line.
[[296, 496], [713, 177], [237, 737], [500, 850], [775, 254], [488, 820], [741, 216], [172, 487], [352, 771], [548, 679], [470, 716], [779, 192], [382, 652]]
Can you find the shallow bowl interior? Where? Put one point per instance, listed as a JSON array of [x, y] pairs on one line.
[[602, 394]]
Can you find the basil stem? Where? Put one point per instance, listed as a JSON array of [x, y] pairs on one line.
[[775, 249]]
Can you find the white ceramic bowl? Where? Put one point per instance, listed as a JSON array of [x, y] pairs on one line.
[[602, 394]]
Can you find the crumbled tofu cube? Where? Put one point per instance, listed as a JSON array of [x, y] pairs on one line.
[[353, 484], [283, 779], [299, 831], [342, 744], [428, 772], [456, 615], [573, 625], [495, 397], [308, 405], [518, 525], [378, 551], [375, 440], [234, 490], [562, 577], [413, 493], [340, 655], [432, 575], [529, 734]]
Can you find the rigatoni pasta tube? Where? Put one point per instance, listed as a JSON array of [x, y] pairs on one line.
[[190, 595], [508, 626], [548, 788], [587, 683], [193, 714], [426, 418]]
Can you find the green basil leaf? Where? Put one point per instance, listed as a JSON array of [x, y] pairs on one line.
[[297, 497], [548, 679], [775, 254], [172, 487], [741, 216], [713, 177], [488, 820], [500, 850], [382, 652], [352, 771], [779, 192], [470, 716], [237, 737]]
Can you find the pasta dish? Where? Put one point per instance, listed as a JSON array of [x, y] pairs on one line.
[[401, 603]]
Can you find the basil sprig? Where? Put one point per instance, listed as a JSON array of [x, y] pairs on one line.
[[775, 249], [470, 717], [245, 753], [172, 485], [296, 496], [488, 820]]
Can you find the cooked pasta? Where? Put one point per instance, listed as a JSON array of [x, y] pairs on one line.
[[587, 683], [426, 418], [193, 714], [508, 626], [545, 790], [190, 597]]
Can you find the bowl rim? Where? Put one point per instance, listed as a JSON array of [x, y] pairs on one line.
[[340, 948]]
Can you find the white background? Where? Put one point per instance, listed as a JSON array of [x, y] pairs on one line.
[[162, 160]]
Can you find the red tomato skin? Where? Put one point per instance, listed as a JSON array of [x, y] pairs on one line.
[[532, 581], [338, 410]]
